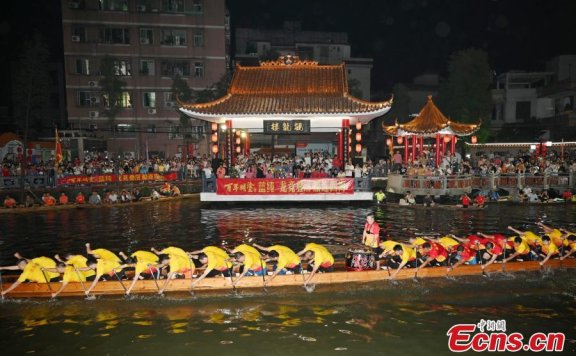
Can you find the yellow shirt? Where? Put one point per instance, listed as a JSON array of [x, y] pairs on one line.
[[550, 249], [408, 253], [388, 245], [419, 241], [216, 258], [106, 266], [72, 275], [286, 257], [522, 248], [251, 256], [555, 234], [179, 264], [143, 259], [104, 254], [532, 238], [174, 251], [321, 254], [79, 262], [33, 270], [448, 242]]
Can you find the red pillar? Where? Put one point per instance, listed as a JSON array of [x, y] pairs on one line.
[[406, 149], [421, 144], [229, 144], [345, 144], [453, 144], [341, 149], [247, 144], [414, 138], [437, 149]]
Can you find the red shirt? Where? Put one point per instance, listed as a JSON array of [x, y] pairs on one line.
[[437, 251], [468, 254], [465, 200], [480, 200]]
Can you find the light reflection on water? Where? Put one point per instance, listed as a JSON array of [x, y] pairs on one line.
[[402, 318]]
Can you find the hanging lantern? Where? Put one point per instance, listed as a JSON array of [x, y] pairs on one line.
[[243, 134], [214, 126], [223, 127], [214, 137], [237, 140], [214, 148], [400, 139], [358, 137], [358, 126], [447, 138], [388, 141], [358, 148], [474, 139], [349, 141], [349, 149], [237, 132], [238, 149], [455, 139]]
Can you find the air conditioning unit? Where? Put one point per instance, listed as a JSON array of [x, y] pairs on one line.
[[93, 114], [73, 5], [94, 100], [154, 10], [93, 127], [92, 84], [75, 38], [170, 104], [152, 111], [141, 8], [144, 40]]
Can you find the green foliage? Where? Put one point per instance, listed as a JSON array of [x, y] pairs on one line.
[[466, 97], [111, 87], [31, 86]]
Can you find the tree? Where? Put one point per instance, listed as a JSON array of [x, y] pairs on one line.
[[466, 94], [112, 88]]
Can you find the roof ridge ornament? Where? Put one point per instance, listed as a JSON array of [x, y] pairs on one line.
[[288, 60]]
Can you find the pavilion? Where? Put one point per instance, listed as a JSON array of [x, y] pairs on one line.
[[430, 123], [287, 96]]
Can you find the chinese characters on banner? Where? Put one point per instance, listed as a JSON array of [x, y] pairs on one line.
[[286, 127], [109, 178], [230, 186]]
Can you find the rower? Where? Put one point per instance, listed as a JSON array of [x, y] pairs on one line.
[[105, 269], [435, 253], [555, 235], [31, 271], [402, 255], [63, 199], [479, 201], [178, 261], [521, 250], [80, 198], [371, 237], [285, 258], [319, 259], [145, 266], [465, 255], [69, 274], [549, 249], [102, 253], [9, 202], [531, 238], [250, 260], [78, 262], [215, 261]]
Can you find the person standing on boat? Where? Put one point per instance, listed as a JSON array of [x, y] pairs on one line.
[[319, 260], [380, 196], [371, 237], [285, 258], [31, 271]]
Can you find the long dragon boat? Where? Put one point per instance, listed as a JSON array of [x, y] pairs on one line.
[[220, 284]]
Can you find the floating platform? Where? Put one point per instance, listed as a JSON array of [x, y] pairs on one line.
[[355, 197]]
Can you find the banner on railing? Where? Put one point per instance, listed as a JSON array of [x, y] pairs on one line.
[[265, 186], [110, 178]]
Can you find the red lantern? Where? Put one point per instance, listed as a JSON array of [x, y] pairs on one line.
[[214, 148], [400, 140], [447, 138], [238, 149], [19, 149], [474, 139], [388, 141], [358, 137], [214, 126], [358, 126], [358, 148], [214, 137], [349, 149], [237, 140]]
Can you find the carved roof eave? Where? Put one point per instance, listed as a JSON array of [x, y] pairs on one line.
[[400, 130]]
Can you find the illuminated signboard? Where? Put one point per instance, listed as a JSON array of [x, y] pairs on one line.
[[286, 127]]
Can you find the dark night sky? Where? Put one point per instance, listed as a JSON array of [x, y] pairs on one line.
[[405, 38]]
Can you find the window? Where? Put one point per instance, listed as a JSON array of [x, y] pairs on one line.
[[522, 110], [122, 68], [199, 69], [113, 5], [123, 100], [115, 35], [173, 5], [125, 129], [78, 33], [175, 68], [146, 36], [76, 4], [169, 100], [151, 128], [147, 67], [82, 66], [197, 7], [87, 99], [149, 100], [171, 37], [143, 5], [175, 132], [198, 38]]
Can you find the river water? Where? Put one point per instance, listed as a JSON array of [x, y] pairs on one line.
[[400, 318]]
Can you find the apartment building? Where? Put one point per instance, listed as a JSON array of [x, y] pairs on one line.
[[150, 42]]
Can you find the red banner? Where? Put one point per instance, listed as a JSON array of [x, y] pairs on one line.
[[288, 186], [109, 178]]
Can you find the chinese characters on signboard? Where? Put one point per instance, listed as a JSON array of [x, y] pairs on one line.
[[286, 127], [269, 186]]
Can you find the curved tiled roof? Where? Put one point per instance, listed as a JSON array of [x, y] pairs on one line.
[[430, 120], [298, 87]]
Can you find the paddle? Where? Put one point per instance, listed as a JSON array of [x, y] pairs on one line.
[[154, 277], [232, 280], [504, 260], [47, 281], [263, 272], [481, 262], [80, 280], [1, 286], [120, 281], [309, 288]]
